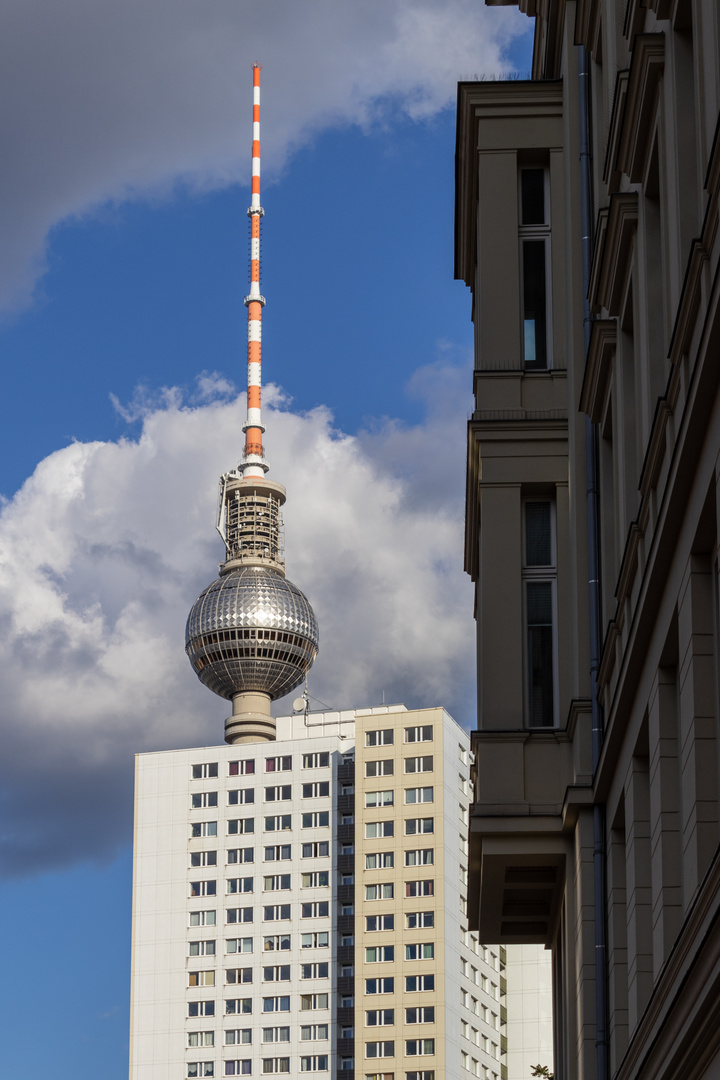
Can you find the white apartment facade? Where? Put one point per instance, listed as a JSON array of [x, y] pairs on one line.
[[299, 907]]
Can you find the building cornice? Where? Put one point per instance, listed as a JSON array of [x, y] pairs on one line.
[[646, 68]]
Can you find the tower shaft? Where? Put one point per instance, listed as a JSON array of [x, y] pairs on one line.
[[254, 465]]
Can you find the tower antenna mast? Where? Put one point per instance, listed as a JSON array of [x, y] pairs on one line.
[[254, 464]]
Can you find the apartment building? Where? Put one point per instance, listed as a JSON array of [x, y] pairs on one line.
[[587, 230], [298, 907]]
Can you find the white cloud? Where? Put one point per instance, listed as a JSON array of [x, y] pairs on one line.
[[107, 544], [101, 100]]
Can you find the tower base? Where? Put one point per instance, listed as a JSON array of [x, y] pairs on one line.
[[251, 720]]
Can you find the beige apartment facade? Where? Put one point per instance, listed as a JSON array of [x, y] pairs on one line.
[[587, 230]]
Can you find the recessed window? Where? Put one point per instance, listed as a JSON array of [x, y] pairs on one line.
[[241, 825], [203, 828], [379, 860], [379, 798], [419, 1047], [375, 829], [317, 819], [276, 973], [201, 978], [315, 971], [383, 891], [203, 799], [279, 793], [316, 761], [380, 954], [239, 945], [276, 1004], [379, 1017], [276, 882], [316, 879], [202, 918], [385, 985], [319, 909], [277, 853], [314, 1063], [379, 922], [241, 855], [201, 948], [203, 772], [539, 588], [279, 823], [419, 888], [419, 983], [316, 849], [238, 1006], [424, 1014], [201, 1038], [275, 1065], [278, 764], [238, 1068], [239, 915], [416, 920], [418, 826], [276, 943], [200, 1068], [310, 1002], [276, 913], [238, 1036], [421, 857], [203, 888], [240, 796], [276, 1034], [385, 767], [239, 885], [320, 789], [201, 1008], [418, 795], [319, 939], [314, 1032], [419, 764], [241, 768], [239, 975], [535, 266], [385, 737], [419, 734], [418, 951], [380, 1049]]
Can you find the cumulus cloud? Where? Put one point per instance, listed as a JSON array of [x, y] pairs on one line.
[[105, 547], [101, 100]]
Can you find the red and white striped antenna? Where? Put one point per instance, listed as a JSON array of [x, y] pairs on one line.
[[254, 464]]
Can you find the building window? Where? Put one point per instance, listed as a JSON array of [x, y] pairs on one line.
[[535, 266], [416, 920], [379, 798], [419, 734], [275, 1065], [319, 789], [276, 1004], [385, 737], [383, 891], [276, 1034], [276, 913], [239, 945], [318, 819], [380, 1076], [317, 879], [201, 978], [385, 767], [203, 828], [417, 983], [316, 761], [379, 922], [318, 939], [241, 855], [421, 857], [379, 859], [379, 1017], [239, 975], [276, 973], [203, 799], [277, 853], [425, 1014], [278, 764], [310, 1002], [280, 793], [201, 1038], [418, 826], [375, 829], [419, 1047], [238, 1006], [319, 909], [418, 795], [201, 1008], [241, 825], [380, 1049], [240, 796], [239, 885], [201, 948], [314, 971], [200, 1068], [380, 954], [279, 823], [314, 1063], [203, 888], [238, 1068], [421, 1074], [419, 764], [419, 951], [419, 888], [314, 1033], [276, 883], [276, 943], [318, 849], [239, 915], [539, 595], [203, 772], [202, 918], [380, 986], [241, 768]]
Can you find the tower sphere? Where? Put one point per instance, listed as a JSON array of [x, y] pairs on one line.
[[251, 630]]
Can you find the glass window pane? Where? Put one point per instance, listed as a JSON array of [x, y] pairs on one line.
[[534, 305], [532, 196], [537, 534], [539, 646]]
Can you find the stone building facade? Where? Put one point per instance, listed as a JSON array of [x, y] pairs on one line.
[[587, 230]]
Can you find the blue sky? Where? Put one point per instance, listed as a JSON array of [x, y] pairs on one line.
[[138, 286]]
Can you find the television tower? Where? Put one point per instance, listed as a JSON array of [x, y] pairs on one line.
[[252, 635]]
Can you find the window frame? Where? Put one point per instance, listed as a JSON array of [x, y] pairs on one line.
[[536, 232], [540, 574]]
